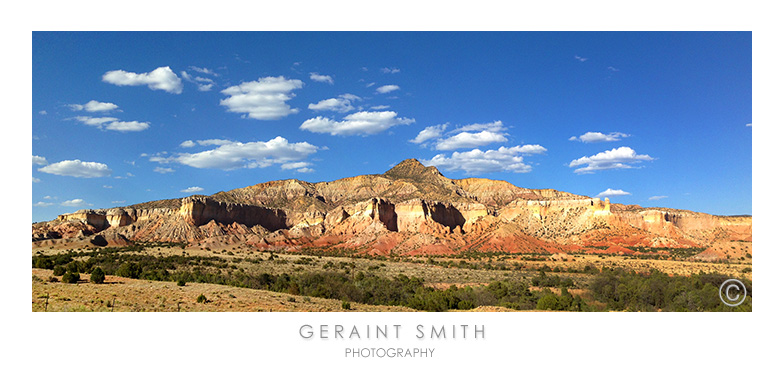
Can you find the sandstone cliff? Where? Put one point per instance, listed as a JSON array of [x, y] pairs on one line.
[[410, 209]]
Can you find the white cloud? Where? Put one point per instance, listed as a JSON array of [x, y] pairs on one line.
[[321, 78], [77, 168], [468, 136], [429, 132], [35, 179], [42, 112], [75, 203], [233, 155], [477, 161], [217, 142], [162, 78], [188, 144], [94, 106], [39, 161], [470, 140], [387, 89], [616, 158], [302, 167], [580, 58], [95, 121], [598, 137], [748, 125], [496, 126], [43, 204], [379, 107], [113, 124], [612, 193], [613, 69], [203, 83], [205, 71], [359, 123], [127, 126], [658, 197], [390, 70], [341, 104], [264, 99], [163, 170], [192, 189]]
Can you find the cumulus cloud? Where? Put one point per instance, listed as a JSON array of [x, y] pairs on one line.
[[658, 197], [39, 161], [303, 167], [162, 78], [470, 140], [340, 104], [387, 89], [75, 203], [502, 159], [35, 179], [43, 204], [94, 106], [359, 123], [321, 78], [264, 99], [77, 168], [379, 107], [390, 70], [429, 132], [113, 124], [617, 158], [192, 189], [467, 136], [229, 155], [612, 193], [598, 137]]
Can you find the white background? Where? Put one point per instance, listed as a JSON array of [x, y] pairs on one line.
[[271, 340]]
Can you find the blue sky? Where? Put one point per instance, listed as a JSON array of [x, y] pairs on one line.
[[659, 119]]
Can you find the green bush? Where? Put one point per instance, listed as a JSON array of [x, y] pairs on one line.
[[71, 277], [201, 299], [346, 305], [59, 270], [97, 276]]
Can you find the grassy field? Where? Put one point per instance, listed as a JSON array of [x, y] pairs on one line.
[[296, 282]]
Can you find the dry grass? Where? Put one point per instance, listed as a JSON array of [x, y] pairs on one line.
[[146, 296]]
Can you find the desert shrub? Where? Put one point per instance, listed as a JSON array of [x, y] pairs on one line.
[[345, 305], [59, 270], [97, 276], [201, 299], [181, 282], [71, 277], [548, 302], [129, 270]]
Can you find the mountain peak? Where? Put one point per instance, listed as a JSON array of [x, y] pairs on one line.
[[411, 168]]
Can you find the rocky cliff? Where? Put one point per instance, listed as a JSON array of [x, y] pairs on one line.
[[410, 209]]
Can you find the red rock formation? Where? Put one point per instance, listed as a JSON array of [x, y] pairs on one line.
[[410, 209]]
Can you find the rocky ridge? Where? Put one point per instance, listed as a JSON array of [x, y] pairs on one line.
[[410, 209]]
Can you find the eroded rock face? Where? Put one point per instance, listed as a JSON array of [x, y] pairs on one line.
[[410, 209]]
